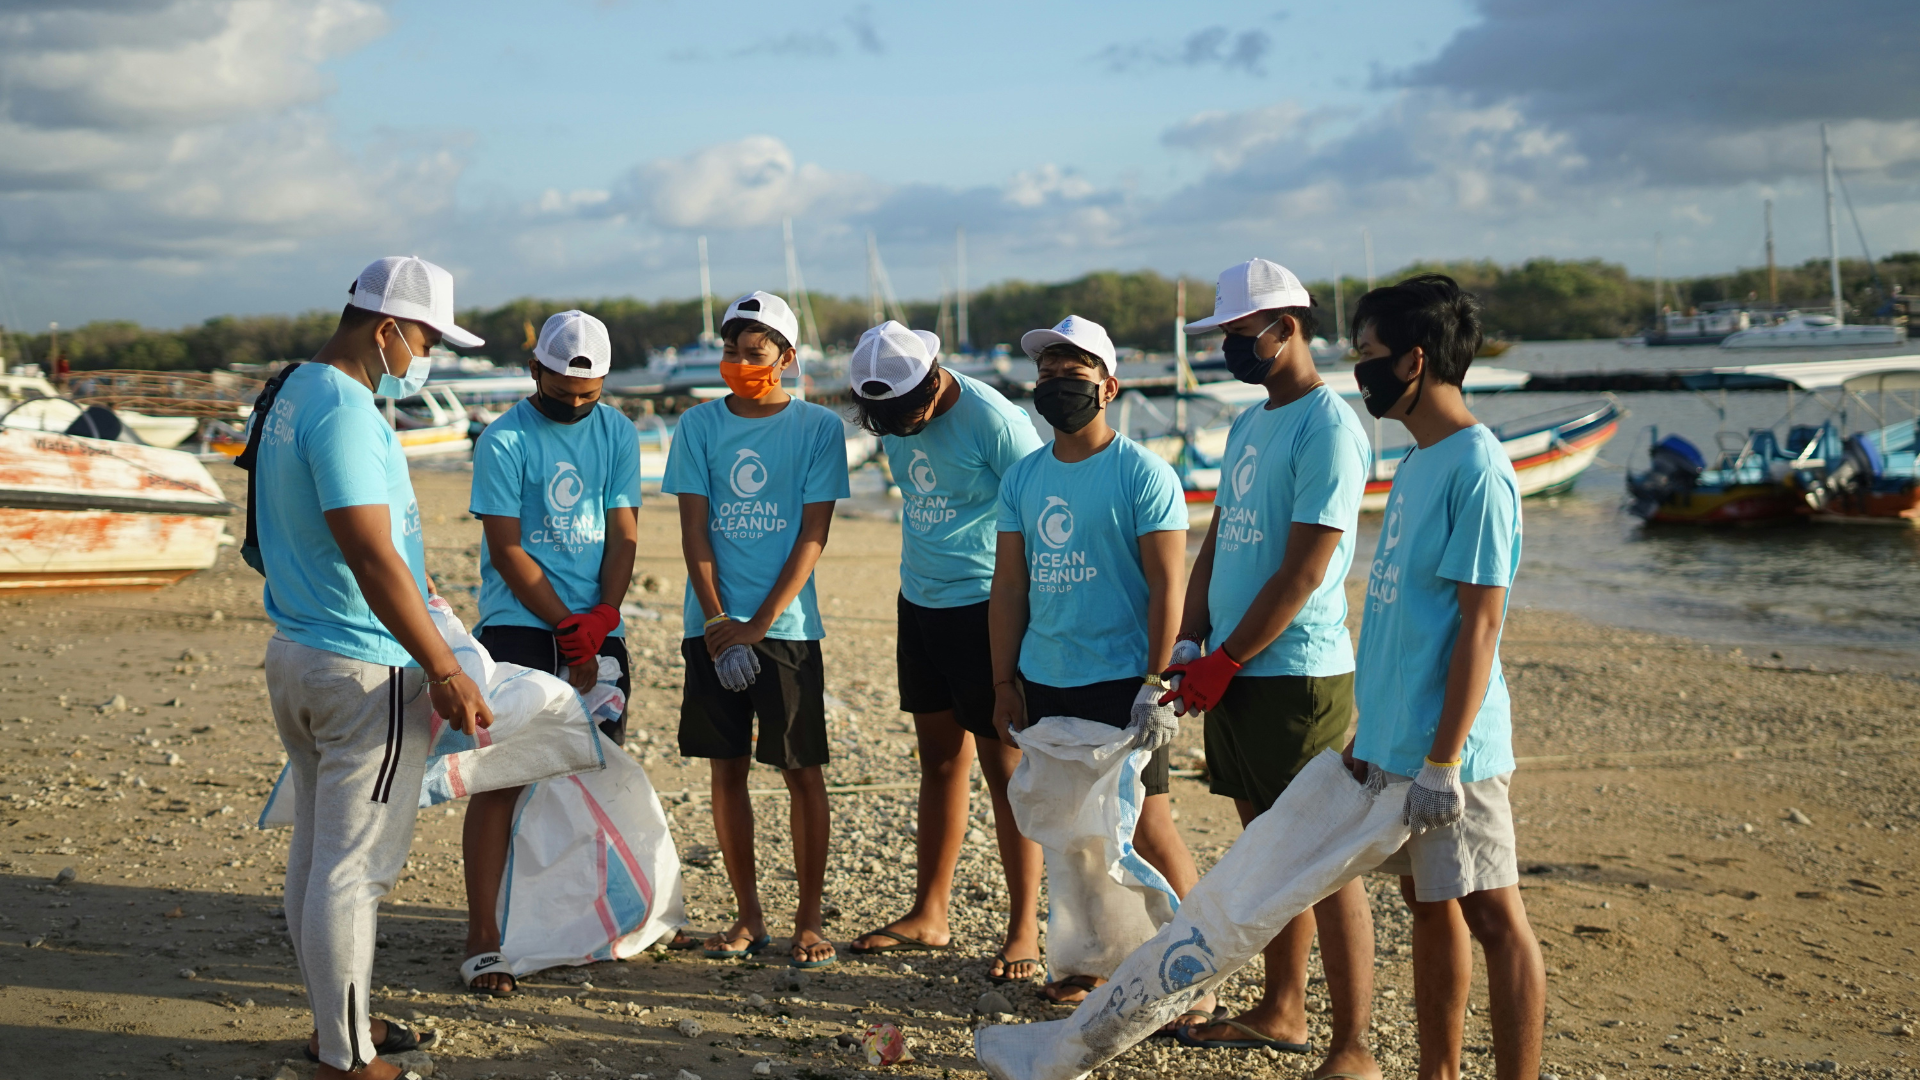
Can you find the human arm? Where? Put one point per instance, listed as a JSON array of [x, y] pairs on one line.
[[703, 574], [364, 535], [1475, 647], [524, 577], [1195, 621], [1163, 559], [1006, 625], [1303, 567], [816, 519]]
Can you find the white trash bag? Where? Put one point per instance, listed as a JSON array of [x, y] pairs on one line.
[[1323, 831], [592, 872], [1077, 793], [541, 729]]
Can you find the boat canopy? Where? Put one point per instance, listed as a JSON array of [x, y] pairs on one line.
[[1812, 375], [1480, 380]]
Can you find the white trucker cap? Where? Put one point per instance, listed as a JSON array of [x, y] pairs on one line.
[[1074, 330], [1254, 285], [769, 311], [409, 287], [575, 343], [893, 356]]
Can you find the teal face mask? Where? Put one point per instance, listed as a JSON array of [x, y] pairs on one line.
[[404, 386]]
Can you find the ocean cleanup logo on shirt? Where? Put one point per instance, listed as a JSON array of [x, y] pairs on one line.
[[924, 509], [1239, 523], [749, 518], [1383, 578], [1244, 470], [1057, 571], [566, 527]]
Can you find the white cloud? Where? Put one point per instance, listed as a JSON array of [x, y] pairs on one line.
[[748, 182]]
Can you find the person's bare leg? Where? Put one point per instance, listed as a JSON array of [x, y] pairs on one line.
[[811, 821], [1020, 859], [1282, 1011], [1346, 952], [378, 1070], [1442, 970], [484, 837], [733, 827], [946, 760], [1516, 978]]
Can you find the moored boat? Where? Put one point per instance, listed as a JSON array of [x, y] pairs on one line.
[[1744, 486]]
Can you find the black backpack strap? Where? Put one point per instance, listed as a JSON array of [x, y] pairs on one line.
[[250, 457]]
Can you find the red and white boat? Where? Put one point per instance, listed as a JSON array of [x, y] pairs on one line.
[[84, 513]]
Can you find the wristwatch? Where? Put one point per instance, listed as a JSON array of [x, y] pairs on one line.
[[1156, 679]]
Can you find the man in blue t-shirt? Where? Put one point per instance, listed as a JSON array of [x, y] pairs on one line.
[[357, 667], [1088, 575], [556, 485], [949, 439], [757, 473], [1268, 592], [1433, 703]]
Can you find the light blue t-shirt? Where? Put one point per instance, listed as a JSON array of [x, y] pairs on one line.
[[1453, 516], [949, 475], [559, 480], [326, 446], [1304, 462], [1086, 587], [756, 475]]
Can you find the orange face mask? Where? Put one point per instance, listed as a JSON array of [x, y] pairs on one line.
[[750, 380]]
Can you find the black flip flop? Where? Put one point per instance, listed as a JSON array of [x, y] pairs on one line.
[[400, 1039], [1180, 1022], [1007, 965], [1254, 1041], [1082, 982], [906, 944]]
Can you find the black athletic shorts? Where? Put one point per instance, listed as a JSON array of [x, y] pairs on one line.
[[788, 696], [536, 648], [946, 662], [1110, 703]]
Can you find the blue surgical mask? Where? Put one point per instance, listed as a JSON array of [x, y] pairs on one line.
[[404, 386]]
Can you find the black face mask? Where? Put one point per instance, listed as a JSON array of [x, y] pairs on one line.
[[1380, 388], [1067, 404], [559, 411], [1244, 361]]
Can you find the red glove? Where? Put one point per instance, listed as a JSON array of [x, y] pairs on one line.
[[1202, 682], [580, 636]]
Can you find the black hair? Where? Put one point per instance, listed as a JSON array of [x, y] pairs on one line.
[[1428, 311], [1062, 350], [730, 332], [887, 416], [1308, 316]]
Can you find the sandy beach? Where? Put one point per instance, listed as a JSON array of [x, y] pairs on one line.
[[1717, 853]]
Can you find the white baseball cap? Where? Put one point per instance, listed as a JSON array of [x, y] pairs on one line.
[[1074, 330], [893, 356], [575, 343], [768, 310], [1254, 285], [409, 287]]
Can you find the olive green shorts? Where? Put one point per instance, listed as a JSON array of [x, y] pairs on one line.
[[1267, 727]]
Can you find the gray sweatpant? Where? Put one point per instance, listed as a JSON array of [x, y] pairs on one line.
[[356, 737]]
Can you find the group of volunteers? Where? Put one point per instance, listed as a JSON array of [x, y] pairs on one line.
[[1037, 579]]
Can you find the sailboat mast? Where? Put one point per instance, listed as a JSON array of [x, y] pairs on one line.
[[1339, 309], [1182, 374], [1833, 231], [706, 297], [1657, 283], [960, 244], [875, 313], [1773, 276], [793, 292], [1366, 237]]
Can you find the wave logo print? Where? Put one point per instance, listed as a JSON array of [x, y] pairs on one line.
[[1056, 523], [920, 472], [564, 487], [1392, 529], [748, 475], [1186, 962], [1244, 470]]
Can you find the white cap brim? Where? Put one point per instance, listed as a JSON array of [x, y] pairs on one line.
[[1033, 341], [1201, 326]]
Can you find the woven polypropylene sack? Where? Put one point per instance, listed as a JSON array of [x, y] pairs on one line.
[[1077, 793], [1323, 831]]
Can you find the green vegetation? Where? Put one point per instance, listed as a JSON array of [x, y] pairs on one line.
[[1541, 299]]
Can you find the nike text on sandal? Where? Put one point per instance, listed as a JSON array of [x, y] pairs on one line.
[[1256, 1041], [753, 948], [487, 963], [400, 1039], [904, 944]]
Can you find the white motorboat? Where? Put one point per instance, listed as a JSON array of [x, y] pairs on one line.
[[1802, 331]]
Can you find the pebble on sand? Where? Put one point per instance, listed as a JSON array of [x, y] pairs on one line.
[[189, 973], [689, 1027], [992, 1002], [65, 876], [763, 1068], [1797, 816], [418, 1061], [687, 1074], [114, 704]]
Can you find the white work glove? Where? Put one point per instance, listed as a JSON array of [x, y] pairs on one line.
[[1185, 651], [1153, 725], [1376, 779], [1436, 799], [737, 666]]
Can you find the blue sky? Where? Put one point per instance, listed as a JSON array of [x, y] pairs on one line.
[[175, 159]]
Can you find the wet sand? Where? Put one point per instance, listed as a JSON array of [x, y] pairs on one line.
[[1689, 922]]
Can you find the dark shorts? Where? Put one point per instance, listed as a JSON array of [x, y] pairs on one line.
[[946, 663], [532, 647], [1267, 727], [1109, 703], [788, 697]]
